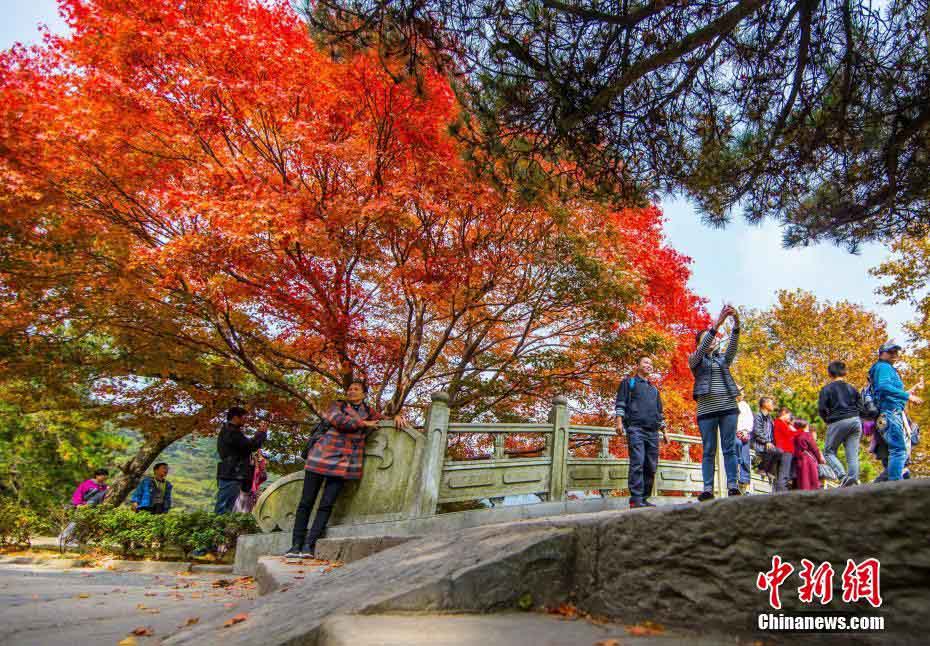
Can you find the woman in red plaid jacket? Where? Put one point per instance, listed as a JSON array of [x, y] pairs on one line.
[[334, 458]]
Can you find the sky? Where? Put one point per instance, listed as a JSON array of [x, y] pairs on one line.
[[742, 264]]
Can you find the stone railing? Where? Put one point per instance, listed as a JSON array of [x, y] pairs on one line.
[[408, 473]]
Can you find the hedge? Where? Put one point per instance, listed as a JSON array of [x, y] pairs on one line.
[[127, 532], [18, 525]]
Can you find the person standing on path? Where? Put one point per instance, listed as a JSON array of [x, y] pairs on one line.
[[153, 495], [715, 393], [332, 460], [838, 407], [638, 409], [892, 398], [806, 457], [234, 467], [785, 434], [744, 424]]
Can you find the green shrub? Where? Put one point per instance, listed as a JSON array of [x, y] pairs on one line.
[[127, 532], [18, 525]]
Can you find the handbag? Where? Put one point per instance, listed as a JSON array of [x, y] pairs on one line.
[[318, 431], [824, 472]]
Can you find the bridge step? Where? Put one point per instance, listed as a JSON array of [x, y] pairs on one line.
[[513, 629], [250, 548], [669, 565]]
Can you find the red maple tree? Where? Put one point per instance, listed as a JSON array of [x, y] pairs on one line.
[[237, 215]]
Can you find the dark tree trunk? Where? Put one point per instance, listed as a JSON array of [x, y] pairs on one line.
[[132, 471]]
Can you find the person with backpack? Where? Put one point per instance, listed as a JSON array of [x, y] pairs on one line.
[[891, 399], [638, 410], [839, 407], [715, 392], [153, 494], [334, 458], [235, 467]]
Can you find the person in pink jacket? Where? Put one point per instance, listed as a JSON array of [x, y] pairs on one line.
[[92, 491]]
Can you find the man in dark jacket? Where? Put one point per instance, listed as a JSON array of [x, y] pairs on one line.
[[234, 468], [638, 409]]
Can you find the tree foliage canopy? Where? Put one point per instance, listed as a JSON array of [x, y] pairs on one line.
[[787, 348], [814, 112], [237, 216]]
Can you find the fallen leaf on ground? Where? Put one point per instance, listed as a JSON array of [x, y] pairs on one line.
[[143, 631], [191, 621], [129, 641], [83, 595], [222, 583], [151, 594], [608, 642], [300, 577], [565, 610], [232, 621], [646, 629]]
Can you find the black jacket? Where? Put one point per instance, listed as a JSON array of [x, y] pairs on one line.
[[838, 401], [639, 403], [234, 449]]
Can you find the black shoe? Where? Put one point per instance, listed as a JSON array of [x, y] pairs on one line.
[[848, 482], [705, 495], [308, 552], [293, 553], [646, 503], [734, 492], [636, 505]]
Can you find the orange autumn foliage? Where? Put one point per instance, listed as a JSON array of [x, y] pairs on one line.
[[232, 210]]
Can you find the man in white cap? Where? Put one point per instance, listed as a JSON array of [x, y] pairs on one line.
[[892, 398]]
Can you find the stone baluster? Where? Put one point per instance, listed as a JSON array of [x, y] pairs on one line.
[[559, 420], [437, 429], [499, 446]]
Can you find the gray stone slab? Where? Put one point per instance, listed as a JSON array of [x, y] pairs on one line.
[[440, 573], [349, 550], [250, 548], [685, 566], [512, 629]]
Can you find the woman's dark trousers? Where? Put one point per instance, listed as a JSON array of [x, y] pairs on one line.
[[332, 486]]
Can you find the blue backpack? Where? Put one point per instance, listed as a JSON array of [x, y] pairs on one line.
[[868, 407]]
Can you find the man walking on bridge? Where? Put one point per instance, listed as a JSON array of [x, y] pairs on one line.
[[638, 409]]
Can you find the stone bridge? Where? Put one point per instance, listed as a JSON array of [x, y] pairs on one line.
[[408, 474]]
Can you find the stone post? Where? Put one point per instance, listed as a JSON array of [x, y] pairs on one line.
[[434, 455], [559, 419]]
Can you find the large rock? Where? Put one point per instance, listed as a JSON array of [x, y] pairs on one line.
[[691, 565]]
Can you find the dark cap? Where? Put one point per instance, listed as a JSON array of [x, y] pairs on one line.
[[889, 346]]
